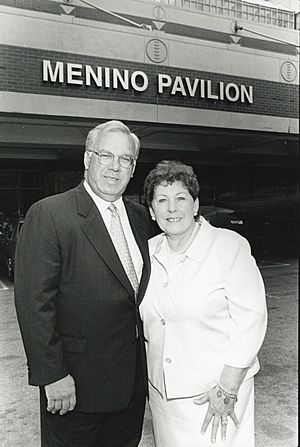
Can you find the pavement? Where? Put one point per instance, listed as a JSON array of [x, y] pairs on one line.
[[276, 383]]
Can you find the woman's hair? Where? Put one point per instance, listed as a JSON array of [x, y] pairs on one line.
[[168, 172]]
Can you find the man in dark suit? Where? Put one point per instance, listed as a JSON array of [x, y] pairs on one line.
[[77, 294]]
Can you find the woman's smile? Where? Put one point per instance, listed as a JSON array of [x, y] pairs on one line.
[[174, 219]]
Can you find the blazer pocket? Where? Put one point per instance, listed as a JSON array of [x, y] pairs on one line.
[[72, 344]]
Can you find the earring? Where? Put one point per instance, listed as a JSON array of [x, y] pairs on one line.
[[153, 218]]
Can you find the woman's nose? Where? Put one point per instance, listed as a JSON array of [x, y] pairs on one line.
[[171, 206]]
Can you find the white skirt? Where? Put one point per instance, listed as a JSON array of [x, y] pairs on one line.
[[177, 422]]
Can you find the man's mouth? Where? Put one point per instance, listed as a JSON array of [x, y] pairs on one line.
[[111, 179]]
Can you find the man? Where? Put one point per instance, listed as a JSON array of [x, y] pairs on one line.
[[77, 300]]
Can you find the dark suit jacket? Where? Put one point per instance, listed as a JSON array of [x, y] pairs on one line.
[[74, 302]]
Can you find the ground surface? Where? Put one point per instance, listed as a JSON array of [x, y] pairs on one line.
[[276, 383]]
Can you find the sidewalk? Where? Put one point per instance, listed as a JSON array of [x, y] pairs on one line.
[[276, 383]]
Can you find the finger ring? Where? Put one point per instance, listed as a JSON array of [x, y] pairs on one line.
[[224, 422]]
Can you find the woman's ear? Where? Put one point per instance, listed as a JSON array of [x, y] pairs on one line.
[[151, 213], [196, 207]]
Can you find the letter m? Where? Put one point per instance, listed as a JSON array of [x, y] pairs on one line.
[[53, 75]]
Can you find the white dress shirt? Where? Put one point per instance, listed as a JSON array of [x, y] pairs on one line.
[[103, 206], [201, 311]]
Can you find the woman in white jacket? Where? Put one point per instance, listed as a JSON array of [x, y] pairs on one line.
[[204, 317]]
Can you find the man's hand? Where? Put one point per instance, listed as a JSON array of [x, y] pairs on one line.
[[61, 395]]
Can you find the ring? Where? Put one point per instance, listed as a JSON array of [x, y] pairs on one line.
[[224, 422]]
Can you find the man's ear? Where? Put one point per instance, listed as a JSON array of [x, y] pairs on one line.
[[133, 168], [87, 159]]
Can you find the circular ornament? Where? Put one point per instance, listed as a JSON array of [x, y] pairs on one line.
[[288, 71], [158, 12], [156, 50]]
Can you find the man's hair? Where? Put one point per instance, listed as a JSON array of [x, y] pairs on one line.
[[95, 135], [168, 172]]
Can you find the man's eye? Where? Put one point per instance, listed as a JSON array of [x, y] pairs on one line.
[[105, 156], [181, 198]]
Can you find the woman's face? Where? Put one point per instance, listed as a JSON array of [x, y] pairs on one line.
[[174, 208]]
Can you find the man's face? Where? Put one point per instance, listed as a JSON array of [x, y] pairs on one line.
[[109, 181]]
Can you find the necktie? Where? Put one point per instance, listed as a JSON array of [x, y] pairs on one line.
[[120, 243]]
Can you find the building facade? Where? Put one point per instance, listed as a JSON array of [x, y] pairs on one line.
[[214, 83]]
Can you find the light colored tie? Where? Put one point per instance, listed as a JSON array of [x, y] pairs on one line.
[[120, 243]]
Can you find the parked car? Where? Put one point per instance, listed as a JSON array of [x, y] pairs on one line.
[[223, 218], [272, 216], [8, 245]]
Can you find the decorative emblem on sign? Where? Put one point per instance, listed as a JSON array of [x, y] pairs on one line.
[[288, 71], [156, 50], [158, 25], [158, 12]]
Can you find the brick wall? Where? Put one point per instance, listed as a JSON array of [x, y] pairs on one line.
[[21, 71]]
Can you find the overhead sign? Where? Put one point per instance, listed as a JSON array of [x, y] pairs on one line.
[[138, 80]]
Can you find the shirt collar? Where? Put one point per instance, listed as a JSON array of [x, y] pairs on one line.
[[197, 249], [102, 204], [200, 244]]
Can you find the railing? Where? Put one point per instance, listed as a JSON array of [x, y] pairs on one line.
[[237, 9]]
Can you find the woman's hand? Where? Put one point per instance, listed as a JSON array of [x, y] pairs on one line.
[[220, 408]]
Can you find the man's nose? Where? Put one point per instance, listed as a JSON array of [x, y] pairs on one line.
[[115, 163]]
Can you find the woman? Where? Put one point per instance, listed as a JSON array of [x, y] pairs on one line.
[[204, 317]]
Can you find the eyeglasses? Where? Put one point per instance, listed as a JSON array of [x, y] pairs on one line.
[[106, 158]]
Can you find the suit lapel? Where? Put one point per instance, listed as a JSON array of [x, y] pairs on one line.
[[137, 225], [95, 230]]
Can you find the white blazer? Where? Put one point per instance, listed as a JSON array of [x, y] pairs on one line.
[[207, 310]]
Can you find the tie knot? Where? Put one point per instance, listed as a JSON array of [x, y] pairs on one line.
[[113, 209]]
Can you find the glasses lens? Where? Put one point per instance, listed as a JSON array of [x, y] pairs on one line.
[[125, 161], [105, 158]]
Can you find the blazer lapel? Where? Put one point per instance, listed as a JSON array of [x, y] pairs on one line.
[[137, 225], [95, 230]]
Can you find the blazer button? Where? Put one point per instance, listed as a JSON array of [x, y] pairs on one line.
[[168, 360]]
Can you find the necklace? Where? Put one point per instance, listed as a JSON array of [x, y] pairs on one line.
[[188, 242]]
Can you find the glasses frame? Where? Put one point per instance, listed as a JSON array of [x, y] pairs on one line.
[[133, 159]]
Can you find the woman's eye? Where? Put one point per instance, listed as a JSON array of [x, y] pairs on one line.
[[161, 200], [181, 198]]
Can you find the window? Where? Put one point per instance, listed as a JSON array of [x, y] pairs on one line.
[[206, 5], [274, 17], [232, 8], [237, 9], [250, 12], [268, 16], [245, 11], [226, 8]]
